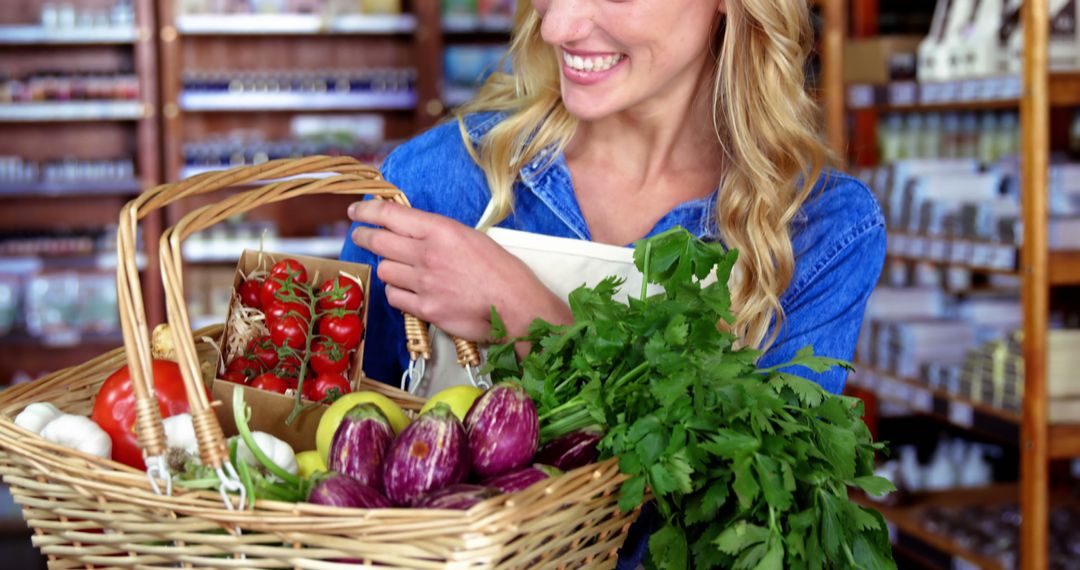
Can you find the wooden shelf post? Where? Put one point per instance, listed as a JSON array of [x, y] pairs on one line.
[[1035, 132]]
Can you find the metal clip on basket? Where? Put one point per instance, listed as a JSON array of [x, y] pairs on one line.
[[96, 513]]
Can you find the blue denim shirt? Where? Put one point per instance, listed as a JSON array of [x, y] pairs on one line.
[[839, 243], [838, 238]]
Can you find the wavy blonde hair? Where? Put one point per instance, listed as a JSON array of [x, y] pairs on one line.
[[763, 117]]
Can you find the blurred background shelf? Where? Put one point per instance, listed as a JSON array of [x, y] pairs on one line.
[[294, 24], [31, 35], [257, 102], [31, 190], [73, 111]]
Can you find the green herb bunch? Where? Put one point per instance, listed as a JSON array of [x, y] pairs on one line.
[[749, 467]]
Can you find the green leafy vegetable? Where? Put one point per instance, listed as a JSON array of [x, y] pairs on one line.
[[749, 467]]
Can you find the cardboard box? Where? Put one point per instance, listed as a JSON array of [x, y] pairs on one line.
[[879, 60], [268, 409]]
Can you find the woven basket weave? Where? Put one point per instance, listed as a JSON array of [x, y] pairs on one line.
[[88, 512]]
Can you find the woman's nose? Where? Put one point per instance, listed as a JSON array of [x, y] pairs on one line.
[[566, 20]]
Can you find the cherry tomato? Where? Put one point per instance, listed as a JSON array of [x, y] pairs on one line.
[[327, 357], [247, 365], [114, 407], [340, 293], [263, 349], [291, 331], [270, 382], [249, 292], [281, 289], [323, 386], [289, 268], [289, 368], [278, 309], [234, 377], [344, 328]]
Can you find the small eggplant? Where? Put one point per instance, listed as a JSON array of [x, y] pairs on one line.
[[503, 429], [573, 450], [431, 453], [515, 481], [338, 490], [461, 497], [360, 444]]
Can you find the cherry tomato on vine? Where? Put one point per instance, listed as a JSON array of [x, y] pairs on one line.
[[287, 268], [291, 331], [340, 293], [270, 382], [276, 289], [263, 349], [247, 365], [250, 293], [324, 385], [328, 357], [344, 328], [235, 377], [276, 310]]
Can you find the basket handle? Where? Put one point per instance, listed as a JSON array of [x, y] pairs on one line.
[[352, 178]]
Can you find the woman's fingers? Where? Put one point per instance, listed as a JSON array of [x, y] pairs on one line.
[[387, 244], [404, 300], [392, 216], [400, 275]]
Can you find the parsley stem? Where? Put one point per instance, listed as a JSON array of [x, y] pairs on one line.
[[645, 270]]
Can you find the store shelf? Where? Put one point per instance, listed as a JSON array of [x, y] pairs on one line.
[[471, 24], [907, 530], [23, 341], [1064, 441], [982, 257], [992, 93], [949, 408], [457, 95], [68, 189], [39, 35], [190, 171], [386, 101], [1064, 268], [34, 263], [228, 251], [293, 24], [73, 111]]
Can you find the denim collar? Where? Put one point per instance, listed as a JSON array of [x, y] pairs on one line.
[[548, 178]]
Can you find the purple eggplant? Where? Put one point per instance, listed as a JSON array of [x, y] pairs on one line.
[[515, 481], [431, 453], [338, 490], [573, 450], [461, 497], [360, 444], [503, 430]]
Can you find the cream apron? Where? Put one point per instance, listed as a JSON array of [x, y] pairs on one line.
[[562, 265]]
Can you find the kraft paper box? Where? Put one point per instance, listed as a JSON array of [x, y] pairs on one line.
[[269, 409]]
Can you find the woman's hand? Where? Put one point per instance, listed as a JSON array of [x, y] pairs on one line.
[[449, 274]]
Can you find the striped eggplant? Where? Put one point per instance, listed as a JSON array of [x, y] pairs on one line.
[[431, 453], [337, 490], [515, 481], [503, 430], [573, 450], [461, 496], [360, 444]]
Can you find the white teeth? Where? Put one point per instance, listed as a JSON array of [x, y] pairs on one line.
[[579, 63]]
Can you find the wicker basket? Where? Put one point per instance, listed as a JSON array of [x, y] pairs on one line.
[[88, 512]]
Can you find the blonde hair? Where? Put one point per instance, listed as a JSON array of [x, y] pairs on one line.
[[763, 117]]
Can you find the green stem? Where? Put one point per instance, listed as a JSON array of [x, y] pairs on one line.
[[645, 272], [636, 371], [208, 483], [244, 472], [298, 406], [240, 413]]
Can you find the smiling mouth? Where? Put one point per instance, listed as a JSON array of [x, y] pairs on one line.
[[592, 63]]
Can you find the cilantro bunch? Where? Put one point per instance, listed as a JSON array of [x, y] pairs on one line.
[[749, 468]]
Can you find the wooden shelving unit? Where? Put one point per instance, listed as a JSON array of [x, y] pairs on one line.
[[1036, 93], [88, 130]]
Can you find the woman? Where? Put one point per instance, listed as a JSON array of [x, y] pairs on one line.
[[622, 119]]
